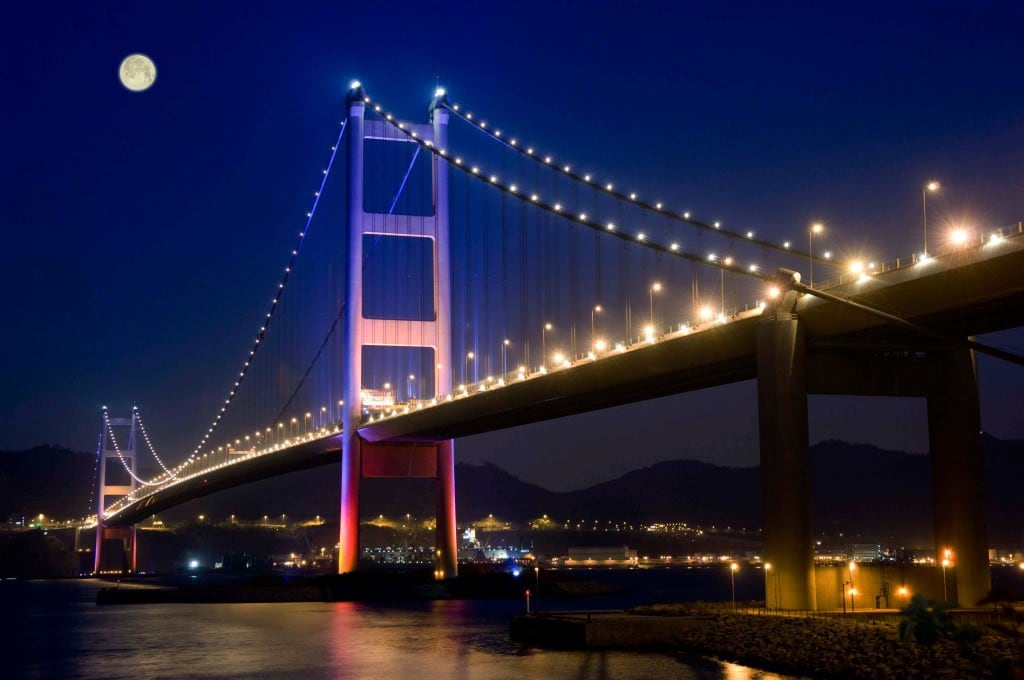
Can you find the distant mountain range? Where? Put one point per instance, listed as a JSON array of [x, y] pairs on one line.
[[861, 491]]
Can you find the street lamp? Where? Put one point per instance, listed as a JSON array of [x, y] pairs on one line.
[[294, 427], [655, 287], [816, 228], [504, 357], [767, 568], [323, 416], [465, 374], [544, 343], [341, 402], [727, 261], [931, 186], [732, 577], [408, 391], [596, 310], [536, 571], [308, 416], [945, 563], [853, 590]]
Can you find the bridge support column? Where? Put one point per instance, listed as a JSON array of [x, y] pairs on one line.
[[785, 459], [351, 476], [954, 435], [446, 553]]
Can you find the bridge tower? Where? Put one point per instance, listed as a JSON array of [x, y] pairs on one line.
[[362, 459], [107, 557], [788, 370]]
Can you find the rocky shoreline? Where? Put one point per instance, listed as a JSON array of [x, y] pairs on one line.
[[829, 647], [841, 648]]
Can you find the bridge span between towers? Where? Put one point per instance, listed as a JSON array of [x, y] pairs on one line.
[[974, 291], [398, 340]]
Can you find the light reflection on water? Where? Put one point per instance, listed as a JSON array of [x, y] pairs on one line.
[[64, 634]]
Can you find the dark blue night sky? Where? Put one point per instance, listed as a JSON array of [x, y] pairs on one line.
[[144, 232]]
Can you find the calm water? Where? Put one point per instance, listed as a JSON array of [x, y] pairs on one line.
[[54, 629]]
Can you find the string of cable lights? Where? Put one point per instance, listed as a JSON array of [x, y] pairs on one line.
[[609, 189], [95, 473], [725, 263], [149, 444], [113, 440], [260, 335]]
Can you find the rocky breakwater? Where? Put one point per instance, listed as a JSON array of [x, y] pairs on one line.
[[828, 647]]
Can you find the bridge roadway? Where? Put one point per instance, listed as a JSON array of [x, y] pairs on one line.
[[967, 292]]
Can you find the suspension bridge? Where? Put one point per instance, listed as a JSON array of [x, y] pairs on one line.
[[460, 281]]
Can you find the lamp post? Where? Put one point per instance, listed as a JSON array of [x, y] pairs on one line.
[[655, 288], [504, 357], [409, 385], [544, 343], [309, 417], [945, 563], [323, 416], [727, 261], [465, 374], [853, 590], [767, 568], [931, 186], [596, 310], [295, 427], [536, 571], [732, 577], [816, 228], [341, 402]]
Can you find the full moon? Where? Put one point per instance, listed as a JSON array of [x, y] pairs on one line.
[[137, 72]]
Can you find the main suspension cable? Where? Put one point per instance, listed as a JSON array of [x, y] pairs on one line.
[[149, 444], [609, 189], [276, 299], [727, 263], [113, 439]]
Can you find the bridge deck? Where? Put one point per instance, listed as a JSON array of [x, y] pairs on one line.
[[965, 293], [970, 292]]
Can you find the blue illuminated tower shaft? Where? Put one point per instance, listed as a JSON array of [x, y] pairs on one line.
[[362, 459]]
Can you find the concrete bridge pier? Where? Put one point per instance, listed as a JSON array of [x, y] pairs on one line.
[[785, 457], [431, 460], [446, 547], [954, 436]]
